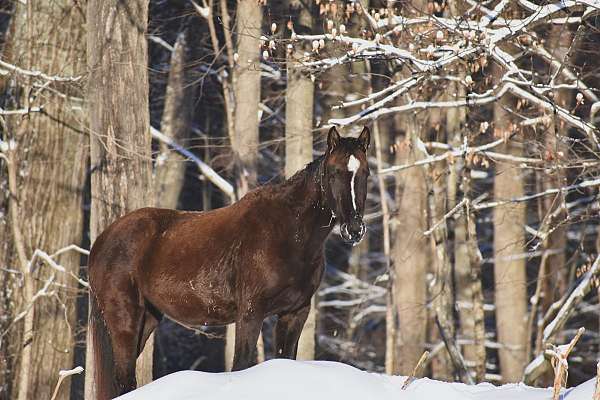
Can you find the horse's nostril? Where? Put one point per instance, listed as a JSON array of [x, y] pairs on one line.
[[344, 231]]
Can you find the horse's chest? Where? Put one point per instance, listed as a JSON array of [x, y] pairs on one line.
[[299, 283]]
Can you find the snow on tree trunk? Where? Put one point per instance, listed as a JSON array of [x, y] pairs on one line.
[[120, 136]]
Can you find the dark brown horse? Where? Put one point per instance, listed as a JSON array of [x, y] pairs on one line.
[[258, 257]]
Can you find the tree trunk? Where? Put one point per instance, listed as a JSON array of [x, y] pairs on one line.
[[442, 290], [467, 258], [410, 252], [50, 162], [246, 91], [509, 266], [410, 256], [176, 121], [299, 101], [246, 86], [119, 120]]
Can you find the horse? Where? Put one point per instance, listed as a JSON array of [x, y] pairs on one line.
[[258, 257]]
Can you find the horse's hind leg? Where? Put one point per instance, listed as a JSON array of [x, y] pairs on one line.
[[287, 332], [124, 314]]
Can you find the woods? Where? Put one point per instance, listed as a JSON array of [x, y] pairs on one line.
[[482, 241]]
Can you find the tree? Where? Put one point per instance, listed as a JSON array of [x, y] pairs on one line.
[[246, 88], [510, 282], [119, 135], [410, 255], [299, 101], [176, 124], [49, 162], [246, 94]]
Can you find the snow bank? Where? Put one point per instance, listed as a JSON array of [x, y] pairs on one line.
[[323, 380]]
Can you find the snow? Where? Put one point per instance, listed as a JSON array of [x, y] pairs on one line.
[[316, 380]]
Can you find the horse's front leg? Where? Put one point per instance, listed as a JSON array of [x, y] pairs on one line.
[[247, 330], [287, 332]]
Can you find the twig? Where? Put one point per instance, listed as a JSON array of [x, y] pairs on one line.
[[561, 367], [455, 356], [568, 307], [416, 371], [455, 209], [62, 374], [36, 74], [564, 189]]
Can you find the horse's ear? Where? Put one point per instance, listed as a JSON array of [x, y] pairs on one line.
[[333, 138], [365, 138]]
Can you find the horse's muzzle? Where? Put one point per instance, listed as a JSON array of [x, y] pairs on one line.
[[353, 232]]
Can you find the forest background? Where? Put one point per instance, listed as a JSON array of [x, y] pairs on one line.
[[482, 243]]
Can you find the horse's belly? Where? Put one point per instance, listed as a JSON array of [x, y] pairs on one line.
[[194, 305]]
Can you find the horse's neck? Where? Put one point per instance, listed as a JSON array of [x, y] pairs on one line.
[[307, 195]]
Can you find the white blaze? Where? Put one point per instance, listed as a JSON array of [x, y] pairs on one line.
[[353, 165]]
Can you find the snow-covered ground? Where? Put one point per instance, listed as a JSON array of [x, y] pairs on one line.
[[323, 380]]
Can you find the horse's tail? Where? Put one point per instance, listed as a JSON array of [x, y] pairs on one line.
[[105, 384]]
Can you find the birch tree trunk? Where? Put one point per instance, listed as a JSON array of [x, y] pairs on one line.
[[119, 123], [50, 164], [299, 101], [509, 243]]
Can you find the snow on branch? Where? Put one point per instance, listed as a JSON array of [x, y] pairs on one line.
[[54, 265], [62, 374], [6, 68], [206, 170], [564, 189], [572, 301], [539, 364]]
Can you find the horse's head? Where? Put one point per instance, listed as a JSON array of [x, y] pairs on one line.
[[346, 172]]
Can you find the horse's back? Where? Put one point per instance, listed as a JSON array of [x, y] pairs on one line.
[[125, 242]]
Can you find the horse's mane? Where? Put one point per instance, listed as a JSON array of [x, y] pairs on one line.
[[309, 174]]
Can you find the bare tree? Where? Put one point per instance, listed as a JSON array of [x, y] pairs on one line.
[[120, 136]]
